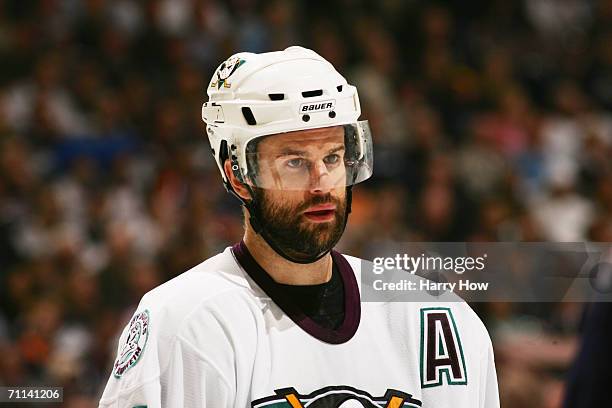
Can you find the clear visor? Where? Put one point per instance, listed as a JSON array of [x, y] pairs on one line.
[[319, 159]]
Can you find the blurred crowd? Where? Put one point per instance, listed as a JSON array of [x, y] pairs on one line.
[[492, 121]]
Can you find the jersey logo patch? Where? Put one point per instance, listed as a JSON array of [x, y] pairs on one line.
[[441, 351], [336, 397], [133, 347]]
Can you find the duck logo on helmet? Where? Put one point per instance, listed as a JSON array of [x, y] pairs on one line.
[[225, 71]]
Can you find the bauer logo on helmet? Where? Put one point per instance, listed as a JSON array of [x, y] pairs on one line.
[[317, 106]]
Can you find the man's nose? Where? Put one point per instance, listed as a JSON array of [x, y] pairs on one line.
[[320, 178]]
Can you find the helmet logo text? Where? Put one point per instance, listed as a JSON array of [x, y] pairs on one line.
[[317, 106]]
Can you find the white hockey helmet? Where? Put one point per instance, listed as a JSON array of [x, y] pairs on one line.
[[254, 95]]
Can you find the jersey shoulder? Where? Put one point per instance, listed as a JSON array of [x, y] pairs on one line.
[[216, 289], [211, 278], [173, 318]]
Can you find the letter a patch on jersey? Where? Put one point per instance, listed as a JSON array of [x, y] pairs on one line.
[[441, 350]]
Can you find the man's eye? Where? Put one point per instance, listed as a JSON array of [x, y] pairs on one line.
[[332, 159], [295, 163]]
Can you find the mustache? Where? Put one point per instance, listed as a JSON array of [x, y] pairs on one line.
[[319, 200]]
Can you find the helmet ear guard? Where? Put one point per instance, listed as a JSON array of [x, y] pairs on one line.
[[223, 155]]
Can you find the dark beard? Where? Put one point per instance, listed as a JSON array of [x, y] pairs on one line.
[[293, 234]]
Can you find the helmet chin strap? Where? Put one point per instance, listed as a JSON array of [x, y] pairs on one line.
[[259, 228]]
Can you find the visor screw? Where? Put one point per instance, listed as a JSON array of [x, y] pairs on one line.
[[332, 114], [306, 118]]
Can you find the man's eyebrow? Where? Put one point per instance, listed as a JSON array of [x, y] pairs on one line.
[[336, 149], [290, 151]]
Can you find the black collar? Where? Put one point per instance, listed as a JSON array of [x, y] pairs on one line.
[[352, 303]]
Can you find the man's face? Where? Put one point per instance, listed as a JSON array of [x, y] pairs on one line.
[[304, 210]]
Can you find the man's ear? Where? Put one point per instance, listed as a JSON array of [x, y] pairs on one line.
[[238, 187]]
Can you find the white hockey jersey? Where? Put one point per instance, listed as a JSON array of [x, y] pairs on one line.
[[212, 337]]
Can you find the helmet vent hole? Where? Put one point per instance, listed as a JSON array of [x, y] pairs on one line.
[[276, 96], [310, 94], [339, 88], [332, 114], [306, 118], [248, 115]]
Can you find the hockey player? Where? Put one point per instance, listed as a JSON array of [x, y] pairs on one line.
[[276, 320]]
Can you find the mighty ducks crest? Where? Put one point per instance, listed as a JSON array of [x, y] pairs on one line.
[[337, 397]]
